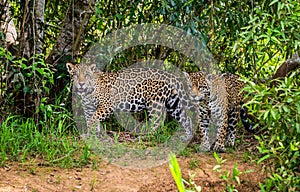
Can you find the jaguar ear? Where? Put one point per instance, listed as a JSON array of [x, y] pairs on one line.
[[94, 68], [208, 77], [70, 68]]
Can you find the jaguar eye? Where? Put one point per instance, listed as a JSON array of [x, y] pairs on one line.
[[88, 76]]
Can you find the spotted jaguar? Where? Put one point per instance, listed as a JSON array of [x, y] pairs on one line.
[[221, 103], [131, 90]]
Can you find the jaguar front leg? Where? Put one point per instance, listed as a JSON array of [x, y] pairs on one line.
[[94, 123], [220, 119], [218, 105], [203, 114], [203, 126]]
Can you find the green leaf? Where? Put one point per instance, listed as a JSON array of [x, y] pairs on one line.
[[27, 89], [249, 171], [44, 99], [289, 100], [286, 109], [273, 113], [217, 168], [237, 180], [219, 159], [294, 146], [175, 171], [263, 158], [118, 16], [246, 39], [40, 70], [275, 40], [267, 37], [273, 2], [262, 187], [266, 114], [235, 46], [235, 173]]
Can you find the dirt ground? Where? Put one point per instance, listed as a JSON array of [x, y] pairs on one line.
[[113, 178]]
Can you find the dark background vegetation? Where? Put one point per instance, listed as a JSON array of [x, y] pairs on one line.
[[259, 40]]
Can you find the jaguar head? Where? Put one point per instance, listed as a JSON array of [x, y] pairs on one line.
[[82, 76]]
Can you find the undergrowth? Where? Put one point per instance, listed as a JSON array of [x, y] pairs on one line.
[[21, 139], [36, 124], [277, 109]]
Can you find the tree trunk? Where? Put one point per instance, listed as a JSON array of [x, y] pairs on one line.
[[32, 28], [38, 18], [72, 32]]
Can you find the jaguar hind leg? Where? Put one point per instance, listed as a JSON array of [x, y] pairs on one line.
[[156, 117], [175, 108]]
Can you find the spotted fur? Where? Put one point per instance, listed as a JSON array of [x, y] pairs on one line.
[[131, 90], [221, 104]]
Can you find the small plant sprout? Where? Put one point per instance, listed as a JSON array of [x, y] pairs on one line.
[[230, 178], [176, 172], [193, 186]]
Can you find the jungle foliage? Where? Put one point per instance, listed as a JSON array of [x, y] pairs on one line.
[[249, 38]]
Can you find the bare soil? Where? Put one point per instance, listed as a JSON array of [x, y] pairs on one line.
[[112, 178]]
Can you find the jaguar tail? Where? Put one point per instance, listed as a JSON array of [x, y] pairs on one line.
[[244, 117]]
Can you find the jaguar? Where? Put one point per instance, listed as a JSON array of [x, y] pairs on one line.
[[221, 104], [131, 90]]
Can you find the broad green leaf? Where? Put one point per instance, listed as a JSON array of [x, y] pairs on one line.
[[289, 100], [286, 109]]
